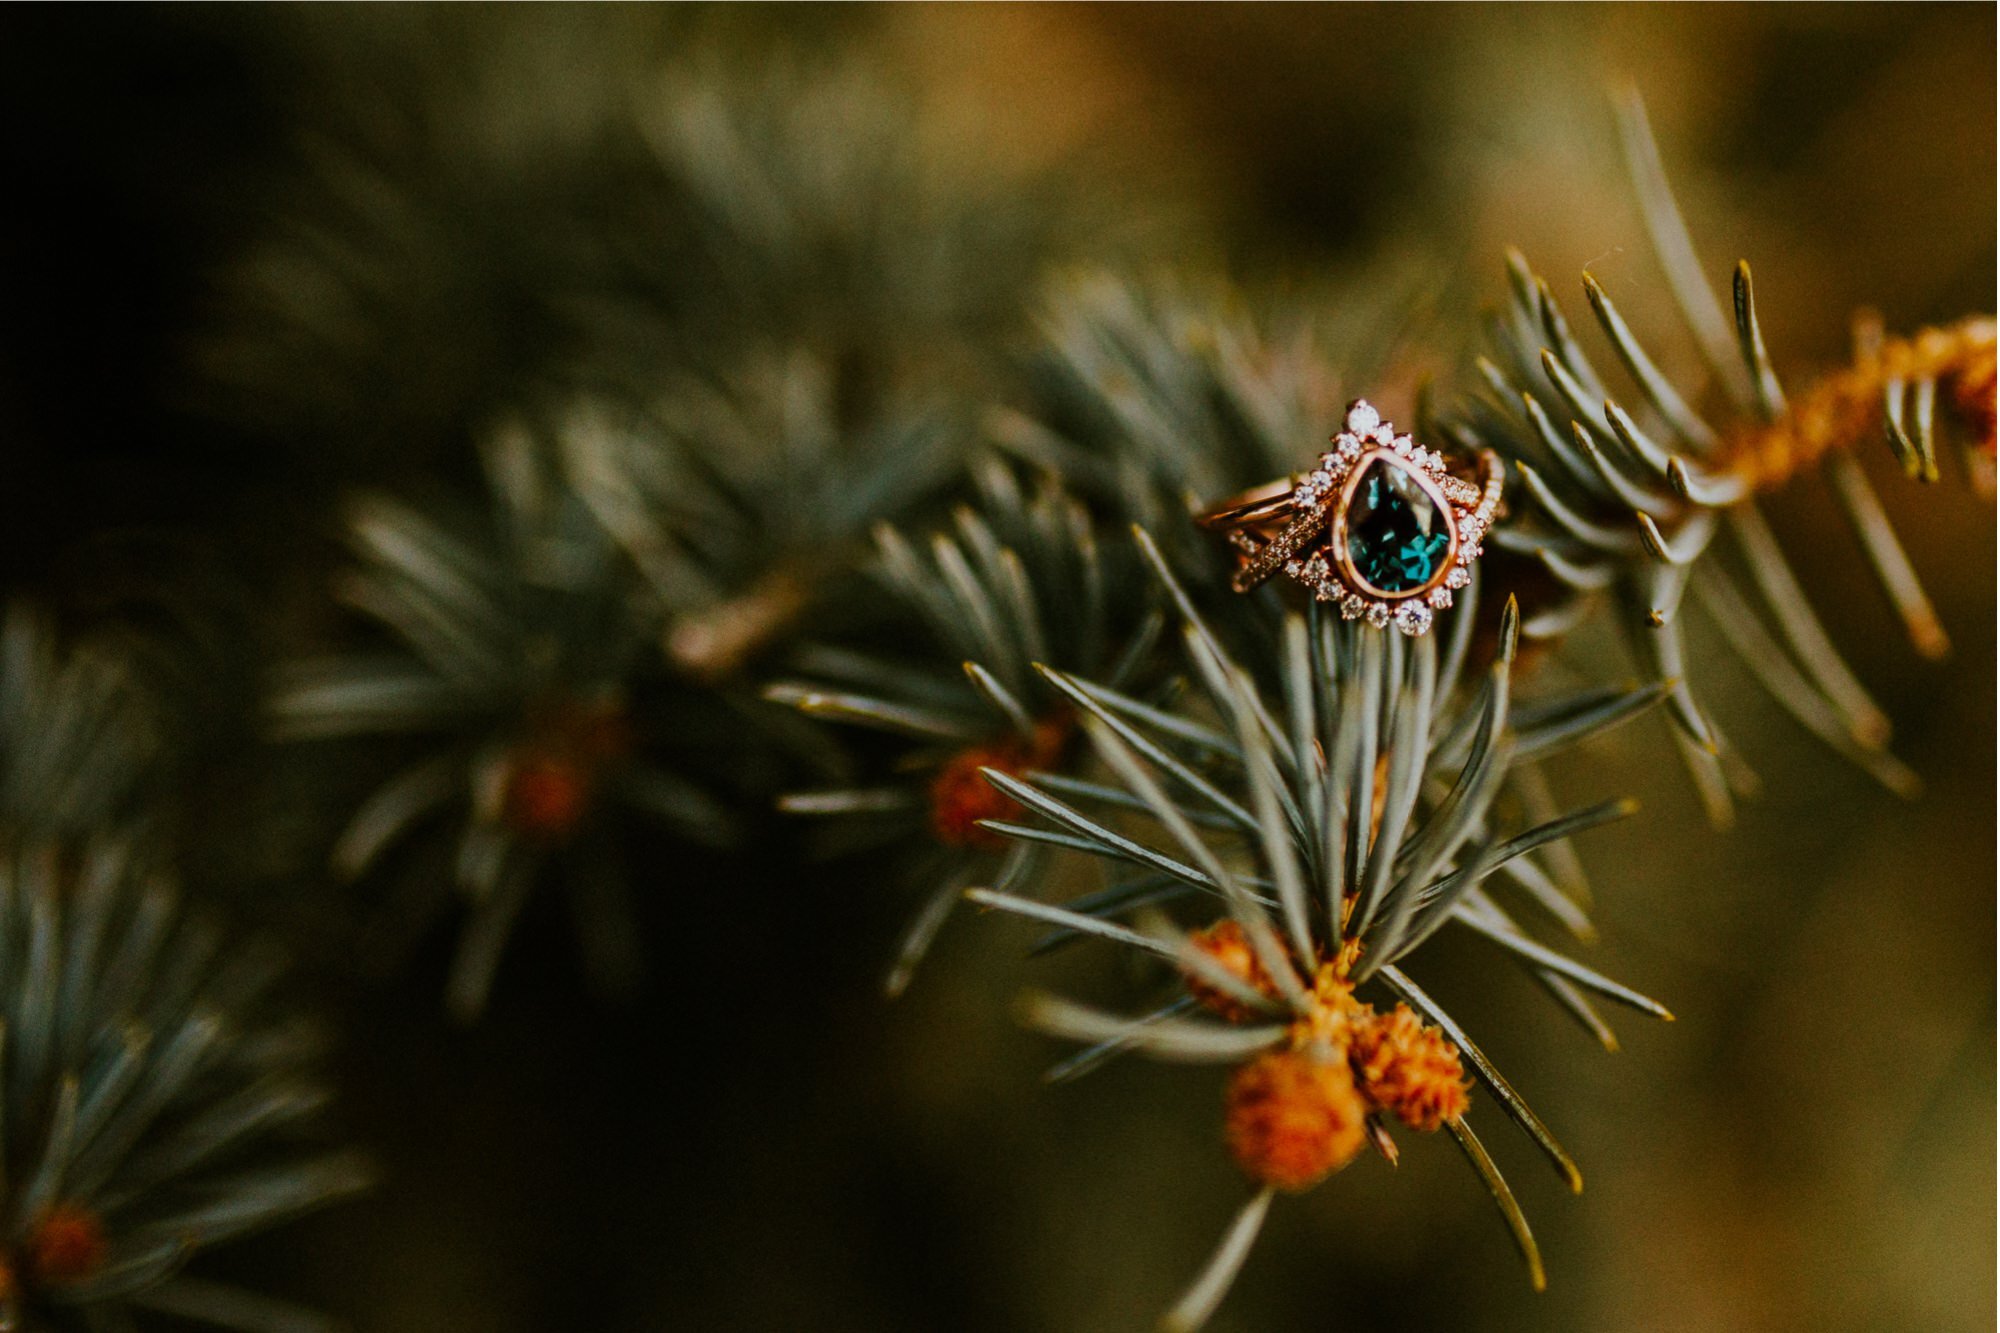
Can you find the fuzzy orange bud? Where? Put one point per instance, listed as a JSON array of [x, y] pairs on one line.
[[961, 797], [546, 795], [67, 1245], [1408, 1070], [1228, 948], [552, 776], [1294, 1119]]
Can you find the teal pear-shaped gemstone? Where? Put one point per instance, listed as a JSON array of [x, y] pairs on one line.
[[1396, 539]]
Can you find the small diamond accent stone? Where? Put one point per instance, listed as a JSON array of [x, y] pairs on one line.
[[1361, 418], [1440, 598], [1350, 607], [1458, 578], [1349, 448], [1413, 618], [1378, 614]]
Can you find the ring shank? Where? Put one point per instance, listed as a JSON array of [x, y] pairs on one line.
[[1259, 507]]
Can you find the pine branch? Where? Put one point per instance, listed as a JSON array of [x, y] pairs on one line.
[[746, 502], [1016, 590], [1623, 500], [156, 1101], [520, 662], [1336, 819]]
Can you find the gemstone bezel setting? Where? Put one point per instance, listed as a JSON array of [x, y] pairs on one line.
[[1338, 551]]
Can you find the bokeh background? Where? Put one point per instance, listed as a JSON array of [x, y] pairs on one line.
[[758, 1141]]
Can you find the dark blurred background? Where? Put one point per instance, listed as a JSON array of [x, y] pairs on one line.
[[758, 1141]]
